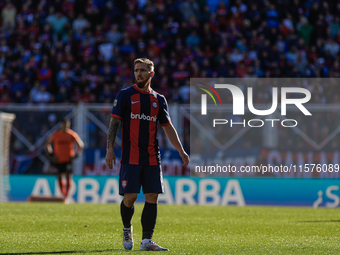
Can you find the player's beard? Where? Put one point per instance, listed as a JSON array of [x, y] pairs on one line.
[[142, 84]]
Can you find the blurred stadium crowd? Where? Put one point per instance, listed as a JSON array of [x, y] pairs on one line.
[[83, 50]]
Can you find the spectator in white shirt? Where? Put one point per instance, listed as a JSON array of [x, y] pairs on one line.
[[8, 15], [40, 95], [332, 47], [80, 23], [114, 36]]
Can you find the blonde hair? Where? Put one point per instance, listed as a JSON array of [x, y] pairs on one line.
[[146, 61]]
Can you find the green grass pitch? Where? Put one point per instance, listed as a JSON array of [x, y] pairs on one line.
[[53, 228]]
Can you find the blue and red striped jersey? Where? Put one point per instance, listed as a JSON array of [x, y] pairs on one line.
[[139, 113]]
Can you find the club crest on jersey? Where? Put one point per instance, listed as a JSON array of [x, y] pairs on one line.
[[124, 183], [115, 102], [154, 104]]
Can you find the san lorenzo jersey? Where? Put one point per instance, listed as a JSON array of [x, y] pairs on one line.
[[63, 145], [139, 113]]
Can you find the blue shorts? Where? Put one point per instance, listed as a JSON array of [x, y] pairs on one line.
[[132, 177]]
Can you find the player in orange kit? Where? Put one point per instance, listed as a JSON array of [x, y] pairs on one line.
[[63, 141]]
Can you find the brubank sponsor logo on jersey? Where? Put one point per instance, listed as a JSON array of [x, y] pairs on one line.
[[143, 117]]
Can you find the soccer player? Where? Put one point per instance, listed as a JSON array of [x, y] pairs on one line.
[[139, 109], [64, 140]]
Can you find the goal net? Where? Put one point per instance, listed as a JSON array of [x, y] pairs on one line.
[[6, 120]]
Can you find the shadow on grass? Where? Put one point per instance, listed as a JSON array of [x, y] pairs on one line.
[[59, 252], [316, 221]]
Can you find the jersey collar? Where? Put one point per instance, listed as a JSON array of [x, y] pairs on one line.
[[141, 91]]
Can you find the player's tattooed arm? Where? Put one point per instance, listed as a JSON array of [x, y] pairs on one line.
[[111, 137], [112, 133]]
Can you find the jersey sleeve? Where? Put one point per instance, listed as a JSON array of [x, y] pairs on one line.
[[118, 106], [163, 114], [74, 135]]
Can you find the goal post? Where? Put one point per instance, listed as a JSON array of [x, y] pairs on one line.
[[6, 120]]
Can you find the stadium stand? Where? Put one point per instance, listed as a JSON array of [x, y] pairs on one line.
[[82, 50], [69, 51]]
